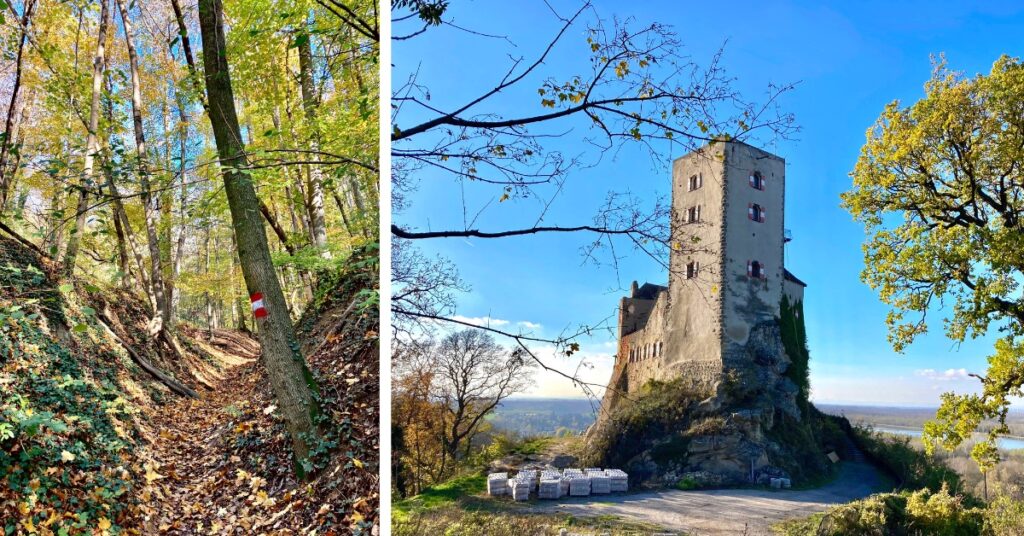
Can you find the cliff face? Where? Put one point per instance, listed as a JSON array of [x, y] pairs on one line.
[[750, 425]]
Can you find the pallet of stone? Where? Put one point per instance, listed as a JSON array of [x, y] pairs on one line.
[[600, 484], [618, 479], [549, 488], [520, 489], [579, 485], [563, 488], [531, 476], [497, 484]]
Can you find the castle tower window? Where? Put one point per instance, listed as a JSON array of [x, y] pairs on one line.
[[756, 270], [693, 214], [696, 181], [691, 269], [755, 212], [757, 180]]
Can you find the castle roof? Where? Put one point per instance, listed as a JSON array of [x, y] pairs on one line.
[[790, 277], [649, 291]]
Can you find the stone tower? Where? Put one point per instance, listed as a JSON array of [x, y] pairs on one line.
[[727, 273]]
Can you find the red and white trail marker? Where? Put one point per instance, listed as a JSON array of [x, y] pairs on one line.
[[257, 305]]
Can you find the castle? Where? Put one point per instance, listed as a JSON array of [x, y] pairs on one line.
[[726, 273]]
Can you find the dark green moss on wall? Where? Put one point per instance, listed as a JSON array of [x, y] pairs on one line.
[[794, 339]]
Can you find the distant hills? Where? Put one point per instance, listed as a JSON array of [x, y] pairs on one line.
[[561, 416]]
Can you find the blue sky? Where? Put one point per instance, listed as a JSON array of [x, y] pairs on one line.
[[850, 59]]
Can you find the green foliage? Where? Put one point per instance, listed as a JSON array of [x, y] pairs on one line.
[[911, 513], [911, 467], [66, 438], [959, 415], [806, 442], [495, 521], [932, 188], [794, 339], [654, 415], [441, 494]]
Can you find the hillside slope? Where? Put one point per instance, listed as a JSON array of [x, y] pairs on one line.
[[104, 431]]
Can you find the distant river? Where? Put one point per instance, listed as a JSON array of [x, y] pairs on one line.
[[1004, 443]]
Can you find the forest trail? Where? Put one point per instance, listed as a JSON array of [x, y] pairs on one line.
[[191, 470]]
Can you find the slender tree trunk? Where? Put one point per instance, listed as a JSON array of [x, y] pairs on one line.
[[317, 215], [13, 111], [161, 315], [17, 134], [291, 380], [92, 142], [206, 270]]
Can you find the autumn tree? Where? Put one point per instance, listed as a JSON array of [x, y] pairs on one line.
[[938, 187], [445, 391], [293, 384]]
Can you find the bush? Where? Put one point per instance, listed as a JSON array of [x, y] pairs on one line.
[[907, 513], [912, 468]]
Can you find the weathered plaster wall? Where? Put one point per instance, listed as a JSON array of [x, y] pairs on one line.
[[692, 331], [749, 301], [794, 291]]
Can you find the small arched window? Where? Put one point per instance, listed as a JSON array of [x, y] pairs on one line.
[[757, 180], [755, 212], [755, 270]]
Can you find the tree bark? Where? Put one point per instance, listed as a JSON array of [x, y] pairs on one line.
[[291, 380], [12, 110], [161, 315], [317, 216], [92, 141]]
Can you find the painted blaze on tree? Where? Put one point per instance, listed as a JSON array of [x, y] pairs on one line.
[[939, 188]]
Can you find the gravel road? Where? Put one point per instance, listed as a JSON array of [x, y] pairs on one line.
[[723, 511]]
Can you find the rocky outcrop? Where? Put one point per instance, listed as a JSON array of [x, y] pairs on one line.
[[749, 430]]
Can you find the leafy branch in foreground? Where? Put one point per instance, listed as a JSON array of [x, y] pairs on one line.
[[938, 189]]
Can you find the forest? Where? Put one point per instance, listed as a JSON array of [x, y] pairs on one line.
[[188, 266]]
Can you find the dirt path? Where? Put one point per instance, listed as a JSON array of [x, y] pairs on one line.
[[188, 461], [721, 512]]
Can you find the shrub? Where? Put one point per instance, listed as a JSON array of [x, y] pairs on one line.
[[913, 468], [905, 513]]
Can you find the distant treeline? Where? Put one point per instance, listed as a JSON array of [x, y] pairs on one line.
[[910, 417], [544, 417]]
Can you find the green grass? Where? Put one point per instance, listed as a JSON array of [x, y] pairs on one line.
[[440, 495], [456, 521], [531, 446]]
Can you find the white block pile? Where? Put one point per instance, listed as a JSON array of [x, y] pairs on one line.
[[520, 488], [549, 488], [618, 479], [600, 484], [552, 484], [579, 485], [497, 484]]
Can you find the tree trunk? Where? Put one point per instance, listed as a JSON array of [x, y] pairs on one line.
[[92, 142], [161, 315], [317, 216], [291, 380], [13, 109], [18, 135]]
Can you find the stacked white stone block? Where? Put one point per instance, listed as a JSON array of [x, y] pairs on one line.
[[579, 483], [600, 484], [549, 488], [520, 488], [530, 475], [497, 484], [618, 480]]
